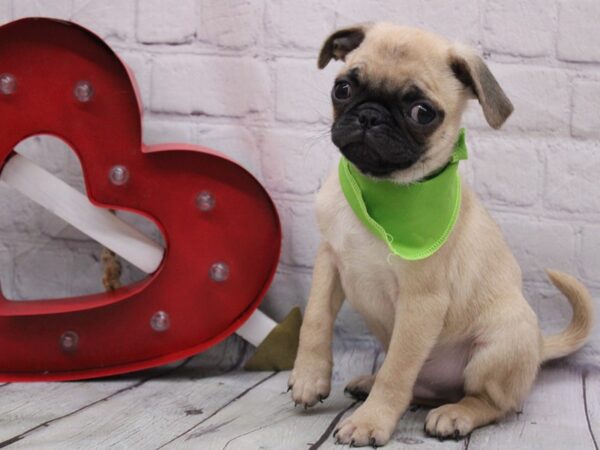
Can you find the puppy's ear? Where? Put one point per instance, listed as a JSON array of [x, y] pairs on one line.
[[472, 71], [340, 43]]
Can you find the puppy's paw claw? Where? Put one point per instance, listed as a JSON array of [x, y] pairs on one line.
[[309, 387], [356, 394]]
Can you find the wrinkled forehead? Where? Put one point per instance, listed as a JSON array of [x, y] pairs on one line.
[[396, 61]]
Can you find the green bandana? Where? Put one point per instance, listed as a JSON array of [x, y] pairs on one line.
[[415, 220]]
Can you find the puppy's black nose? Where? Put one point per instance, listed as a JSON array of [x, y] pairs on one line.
[[369, 118]]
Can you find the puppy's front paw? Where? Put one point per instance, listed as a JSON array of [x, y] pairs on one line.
[[367, 426], [310, 382], [449, 421]]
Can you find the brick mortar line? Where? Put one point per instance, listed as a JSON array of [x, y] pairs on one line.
[[269, 53]]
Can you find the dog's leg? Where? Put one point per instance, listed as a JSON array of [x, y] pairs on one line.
[[417, 325], [310, 380], [497, 379]]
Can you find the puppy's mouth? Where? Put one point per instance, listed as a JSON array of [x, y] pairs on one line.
[[369, 162], [375, 154]]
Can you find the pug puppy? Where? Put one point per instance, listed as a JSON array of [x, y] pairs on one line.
[[455, 326]]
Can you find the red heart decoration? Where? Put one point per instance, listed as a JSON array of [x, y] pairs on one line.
[[47, 58]]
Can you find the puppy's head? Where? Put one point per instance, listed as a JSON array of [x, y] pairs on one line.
[[399, 99]]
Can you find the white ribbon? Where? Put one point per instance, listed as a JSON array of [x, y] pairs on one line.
[[99, 224]]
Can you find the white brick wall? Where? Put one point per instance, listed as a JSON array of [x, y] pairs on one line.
[[577, 36], [505, 20], [240, 76]]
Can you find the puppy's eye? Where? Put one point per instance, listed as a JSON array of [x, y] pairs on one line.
[[342, 90], [422, 113]]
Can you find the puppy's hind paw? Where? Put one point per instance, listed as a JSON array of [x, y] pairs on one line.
[[359, 388]]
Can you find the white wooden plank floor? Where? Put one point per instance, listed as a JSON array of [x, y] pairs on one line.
[[208, 402]]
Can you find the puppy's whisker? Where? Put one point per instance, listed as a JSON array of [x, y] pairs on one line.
[[318, 139]]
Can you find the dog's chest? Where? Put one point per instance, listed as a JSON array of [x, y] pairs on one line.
[[369, 273]]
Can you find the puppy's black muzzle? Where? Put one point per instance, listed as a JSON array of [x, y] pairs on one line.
[[370, 138], [367, 121]]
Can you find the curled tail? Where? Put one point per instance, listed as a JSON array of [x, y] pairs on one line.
[[574, 336]]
